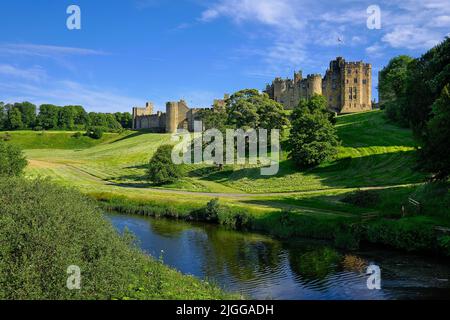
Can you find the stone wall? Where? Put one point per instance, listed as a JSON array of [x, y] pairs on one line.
[[347, 87]]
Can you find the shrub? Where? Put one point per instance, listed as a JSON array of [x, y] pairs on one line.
[[212, 210], [77, 135], [161, 169], [6, 137], [45, 228], [407, 234], [12, 160], [364, 199], [95, 132]]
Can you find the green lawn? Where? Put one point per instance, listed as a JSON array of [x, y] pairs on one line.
[[373, 153], [56, 139]]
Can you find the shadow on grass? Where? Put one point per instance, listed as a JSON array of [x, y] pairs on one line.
[[368, 171]]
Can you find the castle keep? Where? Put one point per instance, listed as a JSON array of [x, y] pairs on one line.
[[347, 87]]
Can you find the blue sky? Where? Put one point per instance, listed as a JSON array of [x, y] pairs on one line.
[[131, 51]]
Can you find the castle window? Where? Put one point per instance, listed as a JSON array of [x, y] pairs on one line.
[[364, 81], [349, 71], [356, 80]]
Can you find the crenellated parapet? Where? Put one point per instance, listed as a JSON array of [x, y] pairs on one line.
[[347, 87]]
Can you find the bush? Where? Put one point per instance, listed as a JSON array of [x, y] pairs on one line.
[[407, 234], [6, 137], [77, 135], [95, 132], [12, 160], [365, 199], [212, 210], [45, 228], [161, 169]]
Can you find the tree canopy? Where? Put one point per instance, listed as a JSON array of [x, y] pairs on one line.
[[313, 138]]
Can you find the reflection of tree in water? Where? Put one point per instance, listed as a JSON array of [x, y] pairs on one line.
[[169, 228], [313, 264], [354, 263], [242, 255]]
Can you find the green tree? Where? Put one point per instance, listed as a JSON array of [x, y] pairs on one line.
[[124, 118], [2, 116], [392, 88], [313, 138], [28, 112], [214, 119], [12, 160], [435, 154], [66, 118], [14, 120], [161, 169], [426, 79], [251, 109], [48, 116]]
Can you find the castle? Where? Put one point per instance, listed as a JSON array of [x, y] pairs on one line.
[[177, 116], [347, 86]]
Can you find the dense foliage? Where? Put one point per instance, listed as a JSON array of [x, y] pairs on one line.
[[420, 100], [251, 109], [392, 87], [12, 160], [313, 139], [45, 228], [19, 116], [161, 169]]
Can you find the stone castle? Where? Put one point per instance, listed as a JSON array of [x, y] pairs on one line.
[[177, 116], [347, 86]]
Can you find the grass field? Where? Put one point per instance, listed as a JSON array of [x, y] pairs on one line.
[[373, 153]]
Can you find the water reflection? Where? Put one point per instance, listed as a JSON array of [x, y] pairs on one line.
[[262, 267]]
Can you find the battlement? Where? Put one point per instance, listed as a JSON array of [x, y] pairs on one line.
[[177, 116], [346, 85]]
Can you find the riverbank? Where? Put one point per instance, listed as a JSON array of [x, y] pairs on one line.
[[46, 230], [411, 233]]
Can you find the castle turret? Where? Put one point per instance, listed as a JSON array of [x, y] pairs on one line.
[[171, 117], [314, 85]]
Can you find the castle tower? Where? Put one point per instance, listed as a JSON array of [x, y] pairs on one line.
[[314, 85], [171, 117], [297, 77], [138, 113]]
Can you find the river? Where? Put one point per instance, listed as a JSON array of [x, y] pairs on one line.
[[261, 267]]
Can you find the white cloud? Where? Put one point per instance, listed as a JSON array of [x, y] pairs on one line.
[[63, 92], [376, 50], [440, 22], [39, 50], [278, 13], [35, 73], [411, 37]]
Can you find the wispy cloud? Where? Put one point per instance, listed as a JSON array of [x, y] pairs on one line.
[[28, 49], [278, 13], [35, 73], [411, 37], [65, 92]]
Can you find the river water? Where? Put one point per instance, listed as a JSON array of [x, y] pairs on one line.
[[261, 267]]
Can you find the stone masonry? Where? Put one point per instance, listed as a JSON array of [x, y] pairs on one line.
[[347, 87]]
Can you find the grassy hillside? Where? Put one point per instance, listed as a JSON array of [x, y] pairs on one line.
[[373, 153], [54, 139]]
